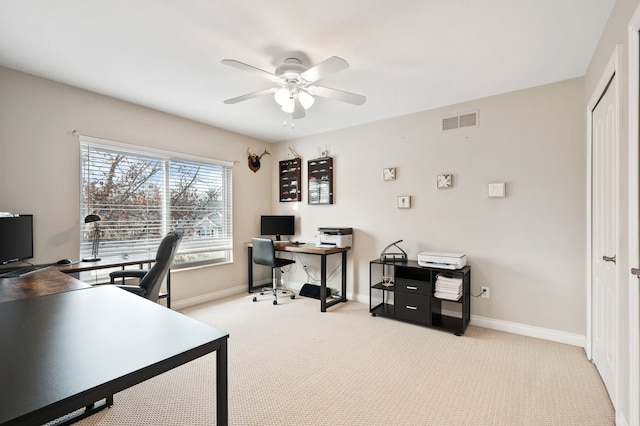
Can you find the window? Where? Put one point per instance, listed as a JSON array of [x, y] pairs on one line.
[[141, 195]]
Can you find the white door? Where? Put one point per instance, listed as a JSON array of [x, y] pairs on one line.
[[633, 297], [604, 236]]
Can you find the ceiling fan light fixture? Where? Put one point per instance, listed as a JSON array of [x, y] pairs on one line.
[[283, 96], [294, 89], [305, 99], [289, 106]]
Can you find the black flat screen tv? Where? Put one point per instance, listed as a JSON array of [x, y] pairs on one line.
[[16, 238], [278, 225]]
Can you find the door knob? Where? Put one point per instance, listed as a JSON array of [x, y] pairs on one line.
[[636, 272], [609, 259]]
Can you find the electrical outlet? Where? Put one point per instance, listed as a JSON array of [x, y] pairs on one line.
[[485, 292]]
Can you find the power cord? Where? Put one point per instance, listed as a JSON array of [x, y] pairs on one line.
[[484, 290], [330, 276]]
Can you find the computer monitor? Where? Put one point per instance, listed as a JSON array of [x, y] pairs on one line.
[[278, 225], [16, 238]]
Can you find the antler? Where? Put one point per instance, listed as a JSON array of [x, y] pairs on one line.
[[293, 152], [250, 154], [265, 152]]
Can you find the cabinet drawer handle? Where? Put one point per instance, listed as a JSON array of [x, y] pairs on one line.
[[410, 287], [413, 308]]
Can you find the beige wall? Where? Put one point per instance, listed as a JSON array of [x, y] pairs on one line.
[[39, 167], [529, 247]]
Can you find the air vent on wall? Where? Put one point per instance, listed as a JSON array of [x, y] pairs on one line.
[[460, 121]]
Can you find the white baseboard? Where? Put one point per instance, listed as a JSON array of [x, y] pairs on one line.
[[529, 330], [478, 321], [209, 297], [511, 327], [620, 419]]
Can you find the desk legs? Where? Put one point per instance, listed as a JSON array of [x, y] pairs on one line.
[[222, 399], [323, 283], [343, 294], [250, 268], [323, 279], [169, 288]]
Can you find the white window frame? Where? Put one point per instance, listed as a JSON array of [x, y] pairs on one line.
[[219, 250]]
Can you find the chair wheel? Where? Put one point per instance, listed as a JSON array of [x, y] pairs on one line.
[[293, 296], [275, 302], [255, 299]]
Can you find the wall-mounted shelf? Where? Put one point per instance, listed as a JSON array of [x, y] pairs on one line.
[[320, 173], [290, 175]]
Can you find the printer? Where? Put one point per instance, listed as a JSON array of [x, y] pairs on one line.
[[435, 259], [339, 237]]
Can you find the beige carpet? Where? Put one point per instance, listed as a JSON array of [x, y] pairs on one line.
[[290, 364]]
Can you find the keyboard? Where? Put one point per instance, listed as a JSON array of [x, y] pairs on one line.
[[20, 272]]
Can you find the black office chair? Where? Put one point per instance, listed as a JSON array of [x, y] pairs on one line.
[[265, 254], [151, 279]]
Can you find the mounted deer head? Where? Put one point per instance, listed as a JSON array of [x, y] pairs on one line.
[[254, 160]]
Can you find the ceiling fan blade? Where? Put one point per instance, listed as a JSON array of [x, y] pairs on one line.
[[245, 67], [252, 95], [325, 68], [336, 94], [298, 109]]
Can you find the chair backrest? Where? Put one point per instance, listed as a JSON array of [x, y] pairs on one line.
[[153, 279], [263, 251]]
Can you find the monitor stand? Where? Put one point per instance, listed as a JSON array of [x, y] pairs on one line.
[[278, 242]]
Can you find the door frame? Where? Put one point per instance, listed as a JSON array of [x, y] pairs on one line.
[[633, 39], [611, 70]]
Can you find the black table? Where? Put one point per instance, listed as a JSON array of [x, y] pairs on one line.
[[117, 262], [66, 351], [41, 283]]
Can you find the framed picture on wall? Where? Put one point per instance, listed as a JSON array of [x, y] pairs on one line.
[[389, 173], [404, 201]]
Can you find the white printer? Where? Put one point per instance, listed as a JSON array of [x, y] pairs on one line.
[[436, 259], [339, 237]]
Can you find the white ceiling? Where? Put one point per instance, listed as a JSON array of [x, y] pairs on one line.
[[405, 56]]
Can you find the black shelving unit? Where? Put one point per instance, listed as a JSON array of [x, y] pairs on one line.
[[405, 291]]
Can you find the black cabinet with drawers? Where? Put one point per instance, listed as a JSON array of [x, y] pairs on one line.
[[406, 291]]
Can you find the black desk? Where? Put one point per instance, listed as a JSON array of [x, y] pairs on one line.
[[318, 251], [41, 283], [63, 352], [118, 262]]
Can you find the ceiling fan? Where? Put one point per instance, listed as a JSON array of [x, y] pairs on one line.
[[295, 88]]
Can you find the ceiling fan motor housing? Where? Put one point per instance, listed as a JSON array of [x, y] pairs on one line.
[[291, 69]]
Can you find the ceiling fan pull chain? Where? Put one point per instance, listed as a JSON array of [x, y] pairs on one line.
[[293, 124]]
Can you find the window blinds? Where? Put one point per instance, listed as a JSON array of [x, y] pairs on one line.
[[140, 196]]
